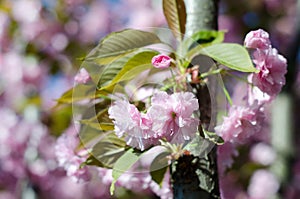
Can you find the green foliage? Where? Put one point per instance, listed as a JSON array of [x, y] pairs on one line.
[[213, 137], [123, 164], [199, 40], [159, 167], [125, 69], [100, 122], [198, 146], [107, 151], [118, 44], [175, 14], [59, 120], [231, 55], [78, 93]]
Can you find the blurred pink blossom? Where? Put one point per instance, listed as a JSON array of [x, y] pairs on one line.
[[95, 22], [263, 154], [226, 153], [241, 123], [230, 187], [82, 76], [263, 185], [7, 195], [257, 39], [272, 68], [26, 11], [161, 61], [68, 158]]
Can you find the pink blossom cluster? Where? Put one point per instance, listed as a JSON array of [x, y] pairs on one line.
[[137, 178], [271, 65], [169, 116], [241, 123], [248, 121]]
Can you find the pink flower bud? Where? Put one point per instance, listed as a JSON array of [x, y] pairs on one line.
[[82, 76], [257, 39], [161, 61]]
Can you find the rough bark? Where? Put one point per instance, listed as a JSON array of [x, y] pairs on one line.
[[194, 177]]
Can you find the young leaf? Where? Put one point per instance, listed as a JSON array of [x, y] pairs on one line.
[[130, 69], [123, 164], [231, 55], [159, 167], [175, 14], [111, 70], [117, 44]]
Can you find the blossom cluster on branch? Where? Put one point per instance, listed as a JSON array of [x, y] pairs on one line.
[[244, 122], [169, 116]]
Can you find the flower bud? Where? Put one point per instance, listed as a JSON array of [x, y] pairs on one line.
[[161, 61]]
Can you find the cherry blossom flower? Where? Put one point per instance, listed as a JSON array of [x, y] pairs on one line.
[[161, 61], [241, 123], [172, 116], [128, 120], [272, 68], [255, 95], [82, 77], [257, 39]]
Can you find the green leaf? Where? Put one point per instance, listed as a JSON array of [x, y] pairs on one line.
[[94, 69], [200, 39], [231, 55], [68, 98], [208, 37], [175, 14], [213, 137], [88, 135], [78, 93], [107, 151], [117, 44], [99, 126], [111, 70], [123, 164], [159, 167], [199, 146], [59, 120], [126, 69]]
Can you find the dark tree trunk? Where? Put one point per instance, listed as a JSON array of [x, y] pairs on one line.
[[194, 177]]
